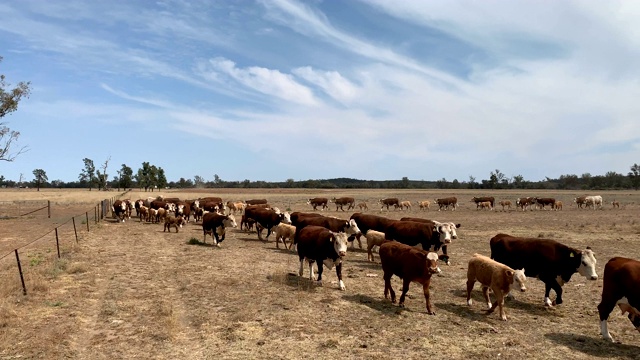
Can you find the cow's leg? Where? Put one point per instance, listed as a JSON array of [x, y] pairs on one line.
[[387, 287], [268, 233], [405, 289], [425, 290], [320, 269], [216, 239], [500, 301], [470, 283], [311, 275], [605, 308], [301, 271], [370, 251], [339, 274], [485, 293]]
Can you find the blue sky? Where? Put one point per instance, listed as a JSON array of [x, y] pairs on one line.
[[367, 89]]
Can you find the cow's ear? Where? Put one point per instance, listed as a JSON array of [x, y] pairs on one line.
[[589, 247], [458, 226]]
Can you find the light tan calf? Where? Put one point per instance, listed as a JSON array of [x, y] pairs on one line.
[[152, 215], [374, 238], [424, 204], [557, 205], [237, 206], [363, 206], [484, 205], [495, 276], [162, 214], [285, 231], [505, 203], [171, 221], [405, 205], [143, 213], [615, 204]]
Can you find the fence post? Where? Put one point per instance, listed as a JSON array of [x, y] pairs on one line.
[[24, 288], [87, 213], [57, 243], [49, 208], [95, 214], [73, 219]]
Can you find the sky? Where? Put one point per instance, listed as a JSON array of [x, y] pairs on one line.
[[368, 89]]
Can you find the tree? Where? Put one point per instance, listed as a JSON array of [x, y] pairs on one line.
[[88, 174], [161, 179], [472, 182], [125, 177], [404, 183], [102, 176], [518, 182], [9, 100], [40, 177], [634, 176], [198, 181]]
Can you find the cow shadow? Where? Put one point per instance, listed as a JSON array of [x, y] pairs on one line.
[[196, 242], [367, 265], [514, 303], [293, 280], [472, 313], [283, 251], [380, 304], [595, 346]]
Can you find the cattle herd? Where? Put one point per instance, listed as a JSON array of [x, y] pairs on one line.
[[324, 240]]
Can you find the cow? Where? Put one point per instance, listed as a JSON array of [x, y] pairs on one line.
[[256, 201], [130, 205], [374, 238], [484, 205], [389, 202], [296, 215], [161, 215], [318, 201], [579, 201], [363, 206], [265, 218], [438, 237], [237, 206], [413, 233], [620, 287], [119, 210], [212, 206], [161, 204], [152, 215], [495, 276], [548, 260], [246, 223], [285, 231], [444, 203], [524, 203], [558, 205], [409, 264], [348, 227], [542, 202], [324, 247], [340, 202], [211, 222], [143, 212], [505, 203], [405, 205], [615, 204], [424, 204], [593, 201], [368, 222], [171, 221], [481, 199], [198, 213]]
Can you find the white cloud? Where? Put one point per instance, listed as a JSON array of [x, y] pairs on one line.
[[331, 82]]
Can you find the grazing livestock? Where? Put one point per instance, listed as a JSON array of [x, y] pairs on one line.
[[348, 227], [542, 202], [409, 264], [580, 201], [548, 260], [143, 212], [237, 206], [444, 203], [615, 204], [505, 203], [119, 210], [368, 222], [296, 216], [484, 205], [405, 205], [285, 231], [152, 216], [198, 214], [319, 201], [340, 202], [130, 205], [246, 223], [389, 202], [558, 205], [266, 218], [620, 287], [481, 199], [439, 236], [593, 201], [324, 247], [171, 221], [212, 206], [211, 222], [374, 238], [424, 204], [495, 276], [525, 203], [256, 201], [363, 206]]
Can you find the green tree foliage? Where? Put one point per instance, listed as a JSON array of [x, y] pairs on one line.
[[40, 177], [161, 179], [88, 174], [634, 176], [9, 100], [125, 177]]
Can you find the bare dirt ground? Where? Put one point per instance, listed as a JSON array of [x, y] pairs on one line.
[[133, 291]]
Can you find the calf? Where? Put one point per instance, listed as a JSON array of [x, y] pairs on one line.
[[409, 264], [285, 231], [171, 221], [143, 212], [405, 205], [246, 223], [363, 206], [484, 205], [615, 204], [374, 238], [424, 204], [315, 202], [389, 202], [558, 205], [580, 200], [495, 276], [548, 260], [489, 199], [324, 247], [525, 203], [212, 221], [505, 203], [152, 215], [620, 287], [237, 206]]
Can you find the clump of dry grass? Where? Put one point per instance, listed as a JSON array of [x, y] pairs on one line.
[[77, 268]]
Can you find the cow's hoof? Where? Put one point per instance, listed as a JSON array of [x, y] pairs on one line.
[[431, 312], [401, 305]]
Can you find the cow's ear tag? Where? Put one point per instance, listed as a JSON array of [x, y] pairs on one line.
[[571, 255]]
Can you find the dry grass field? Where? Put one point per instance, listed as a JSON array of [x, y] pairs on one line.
[[130, 290]]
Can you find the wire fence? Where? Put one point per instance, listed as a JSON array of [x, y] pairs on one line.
[[53, 243], [13, 209]]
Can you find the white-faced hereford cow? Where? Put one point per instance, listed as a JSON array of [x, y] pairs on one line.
[[525, 202], [444, 203], [481, 199], [409, 264], [322, 246], [214, 224], [548, 260], [265, 218], [348, 227], [119, 210], [442, 235], [621, 287], [368, 222], [318, 201], [541, 203], [340, 202], [389, 202]]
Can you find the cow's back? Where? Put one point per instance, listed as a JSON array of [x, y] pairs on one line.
[[536, 256], [368, 222], [400, 259]]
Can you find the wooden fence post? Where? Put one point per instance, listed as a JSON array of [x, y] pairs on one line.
[[49, 208], [73, 219], [24, 288], [57, 243], [95, 214], [87, 213]]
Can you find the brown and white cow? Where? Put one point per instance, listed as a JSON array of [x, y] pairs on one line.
[[505, 203], [173, 221], [409, 264], [621, 288], [389, 202], [541, 203], [211, 224], [119, 210], [324, 247], [444, 203], [548, 260], [340, 202], [318, 201], [580, 201], [368, 222], [265, 219], [482, 199], [348, 227], [524, 203], [615, 204], [442, 235]]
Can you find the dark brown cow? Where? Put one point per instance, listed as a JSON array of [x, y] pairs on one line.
[[296, 215], [409, 264], [212, 206], [265, 218], [246, 223], [340, 202], [161, 204], [389, 202], [437, 239], [548, 260], [256, 201], [212, 221], [348, 227], [444, 203], [542, 202], [525, 203], [319, 201], [620, 287], [119, 210], [490, 199], [368, 222], [173, 200], [322, 246]]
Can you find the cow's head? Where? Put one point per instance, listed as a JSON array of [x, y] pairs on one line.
[[229, 221], [181, 221], [431, 265], [309, 202], [340, 242], [170, 207], [517, 279], [285, 217], [351, 228], [179, 209], [587, 267], [447, 232]]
